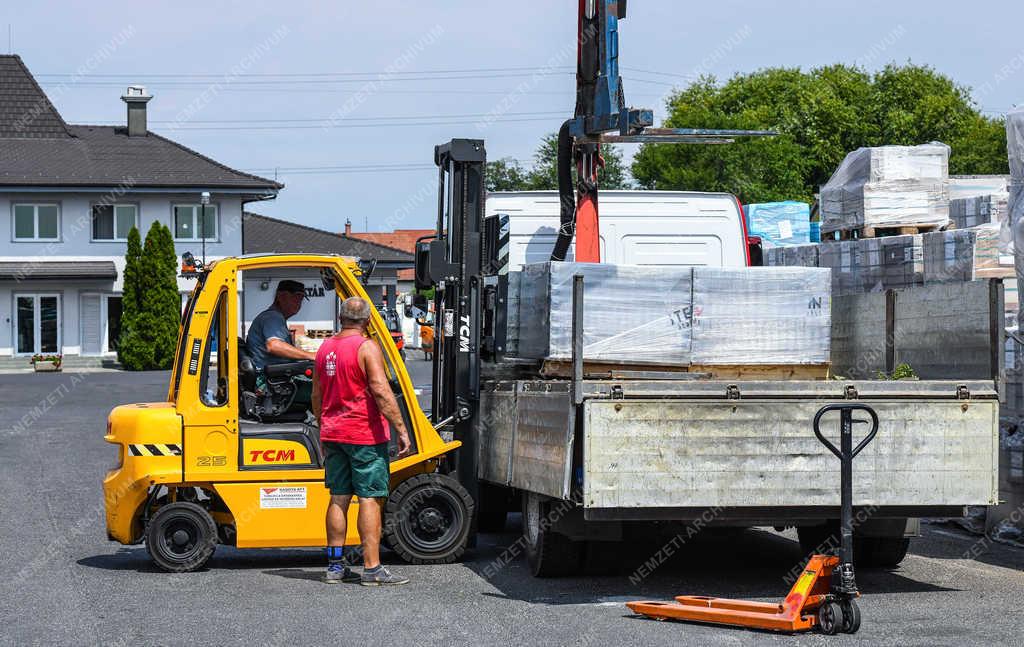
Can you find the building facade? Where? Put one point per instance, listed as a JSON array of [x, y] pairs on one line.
[[69, 195]]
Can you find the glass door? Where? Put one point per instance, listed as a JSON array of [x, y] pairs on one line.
[[37, 323]]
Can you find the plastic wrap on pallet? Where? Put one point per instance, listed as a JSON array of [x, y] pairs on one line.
[[793, 256], [1015, 202], [512, 315], [632, 314], [970, 212], [888, 186], [873, 264], [779, 223], [761, 315], [966, 255]]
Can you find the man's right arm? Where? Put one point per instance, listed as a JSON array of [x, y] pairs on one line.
[[377, 379]]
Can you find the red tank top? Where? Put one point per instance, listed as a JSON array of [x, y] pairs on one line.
[[348, 412]]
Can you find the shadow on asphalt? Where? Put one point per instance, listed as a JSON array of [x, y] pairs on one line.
[[957, 543], [748, 563]]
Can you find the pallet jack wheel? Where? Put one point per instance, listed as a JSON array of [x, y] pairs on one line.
[[181, 537], [851, 617], [830, 618]]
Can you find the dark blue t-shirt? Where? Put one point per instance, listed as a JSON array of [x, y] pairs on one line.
[[268, 324]]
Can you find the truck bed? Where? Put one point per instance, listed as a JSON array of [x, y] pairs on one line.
[[670, 449]]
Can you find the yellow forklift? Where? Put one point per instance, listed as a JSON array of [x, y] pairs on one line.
[[223, 460]]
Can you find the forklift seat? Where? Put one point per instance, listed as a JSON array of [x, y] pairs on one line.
[[246, 369]]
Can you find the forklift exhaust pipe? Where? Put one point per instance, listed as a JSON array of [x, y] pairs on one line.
[[566, 195]]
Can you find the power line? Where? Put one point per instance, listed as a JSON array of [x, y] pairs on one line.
[[361, 125], [331, 120], [304, 74]]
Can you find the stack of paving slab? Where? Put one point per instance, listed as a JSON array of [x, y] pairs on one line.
[[677, 316], [888, 187]]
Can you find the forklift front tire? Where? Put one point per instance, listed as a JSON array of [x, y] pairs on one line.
[[181, 537], [427, 519]]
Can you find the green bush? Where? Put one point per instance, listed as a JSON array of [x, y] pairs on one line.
[[151, 311]]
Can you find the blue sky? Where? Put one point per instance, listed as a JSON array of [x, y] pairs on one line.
[[347, 99]]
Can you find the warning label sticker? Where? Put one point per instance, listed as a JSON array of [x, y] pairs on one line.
[[282, 497]]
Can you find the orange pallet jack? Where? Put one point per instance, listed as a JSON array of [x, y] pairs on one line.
[[824, 595]]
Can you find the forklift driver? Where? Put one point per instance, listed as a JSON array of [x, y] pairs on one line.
[[269, 340]]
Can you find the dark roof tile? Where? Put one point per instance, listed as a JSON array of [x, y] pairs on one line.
[[39, 149], [265, 235]]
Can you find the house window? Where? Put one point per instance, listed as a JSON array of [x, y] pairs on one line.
[[36, 222], [188, 225], [113, 221]]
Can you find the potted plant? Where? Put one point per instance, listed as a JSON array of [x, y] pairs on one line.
[[47, 362]]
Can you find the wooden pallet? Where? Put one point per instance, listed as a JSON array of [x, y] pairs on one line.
[[603, 370], [879, 232], [319, 334]]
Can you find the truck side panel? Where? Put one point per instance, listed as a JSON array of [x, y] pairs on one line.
[[668, 453]]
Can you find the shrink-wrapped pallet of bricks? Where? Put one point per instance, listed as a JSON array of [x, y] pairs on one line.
[[632, 314], [761, 315], [646, 315], [888, 187]]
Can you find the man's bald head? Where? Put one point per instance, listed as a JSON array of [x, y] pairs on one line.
[[355, 312]]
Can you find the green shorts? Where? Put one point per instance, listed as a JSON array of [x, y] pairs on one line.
[[361, 470]]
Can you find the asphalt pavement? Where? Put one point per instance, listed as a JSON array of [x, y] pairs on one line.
[[66, 584]]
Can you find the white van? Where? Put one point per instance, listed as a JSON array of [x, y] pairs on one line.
[[637, 227]]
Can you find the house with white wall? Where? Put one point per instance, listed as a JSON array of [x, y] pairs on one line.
[[69, 194]]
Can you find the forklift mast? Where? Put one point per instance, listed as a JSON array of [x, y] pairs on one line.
[[461, 263]]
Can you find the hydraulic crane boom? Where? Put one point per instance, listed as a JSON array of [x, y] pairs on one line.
[[601, 110]]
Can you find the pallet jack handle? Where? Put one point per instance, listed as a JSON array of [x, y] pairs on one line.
[[846, 452]]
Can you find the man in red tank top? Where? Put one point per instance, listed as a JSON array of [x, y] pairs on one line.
[[353, 403]]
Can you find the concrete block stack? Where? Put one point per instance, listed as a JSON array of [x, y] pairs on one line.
[[888, 187]]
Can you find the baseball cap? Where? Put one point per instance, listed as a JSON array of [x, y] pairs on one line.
[[288, 285]]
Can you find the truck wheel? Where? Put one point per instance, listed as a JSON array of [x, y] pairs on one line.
[[868, 552], [427, 519], [880, 552], [181, 537], [493, 507], [549, 553]]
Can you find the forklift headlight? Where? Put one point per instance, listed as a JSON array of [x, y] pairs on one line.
[[120, 457]]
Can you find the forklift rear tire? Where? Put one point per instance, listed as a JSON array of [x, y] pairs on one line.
[[181, 537], [549, 553], [427, 519]]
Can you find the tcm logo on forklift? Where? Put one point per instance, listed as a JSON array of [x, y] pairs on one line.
[[271, 455], [464, 334]]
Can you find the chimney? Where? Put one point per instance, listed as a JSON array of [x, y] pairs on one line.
[[348, 227], [136, 98]]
